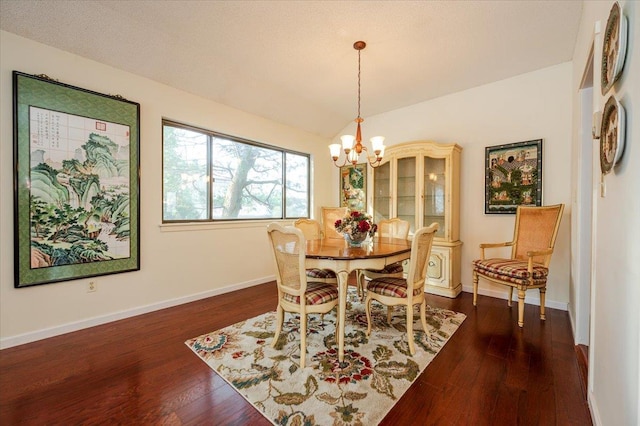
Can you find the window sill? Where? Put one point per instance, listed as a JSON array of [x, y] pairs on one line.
[[205, 226]]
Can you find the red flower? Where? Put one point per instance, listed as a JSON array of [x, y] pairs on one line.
[[363, 226], [355, 213], [338, 223]]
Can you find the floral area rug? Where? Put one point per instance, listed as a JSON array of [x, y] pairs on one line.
[[360, 391]]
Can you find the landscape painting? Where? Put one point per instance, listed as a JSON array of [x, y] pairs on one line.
[[353, 187], [513, 176], [77, 184]]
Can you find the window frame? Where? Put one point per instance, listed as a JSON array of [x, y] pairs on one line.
[[211, 136]]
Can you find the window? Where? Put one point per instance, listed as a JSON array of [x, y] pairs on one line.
[[209, 176]]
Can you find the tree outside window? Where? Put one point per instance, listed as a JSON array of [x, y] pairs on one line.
[[208, 177]]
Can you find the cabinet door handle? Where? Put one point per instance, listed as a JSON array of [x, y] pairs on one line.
[[432, 263]]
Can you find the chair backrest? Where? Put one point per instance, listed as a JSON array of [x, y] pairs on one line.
[[536, 229], [312, 229], [420, 253], [329, 217], [393, 228], [289, 248]]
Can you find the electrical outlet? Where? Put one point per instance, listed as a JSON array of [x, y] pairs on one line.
[[92, 287]]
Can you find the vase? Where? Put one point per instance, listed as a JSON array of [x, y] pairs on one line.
[[356, 240]]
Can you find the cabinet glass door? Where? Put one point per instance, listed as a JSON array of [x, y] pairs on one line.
[[382, 192], [434, 193], [406, 190]]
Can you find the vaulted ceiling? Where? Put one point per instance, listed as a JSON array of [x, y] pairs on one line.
[[294, 62]]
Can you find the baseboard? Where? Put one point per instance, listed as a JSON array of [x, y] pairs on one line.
[[582, 357], [532, 297], [21, 339], [593, 408]]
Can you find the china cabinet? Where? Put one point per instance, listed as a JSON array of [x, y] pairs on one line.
[[420, 183]]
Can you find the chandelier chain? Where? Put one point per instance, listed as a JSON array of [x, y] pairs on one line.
[[358, 83]]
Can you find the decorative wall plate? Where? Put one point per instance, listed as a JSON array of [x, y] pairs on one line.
[[611, 134], [614, 48]]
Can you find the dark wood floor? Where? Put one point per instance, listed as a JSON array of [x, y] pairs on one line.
[[138, 371]]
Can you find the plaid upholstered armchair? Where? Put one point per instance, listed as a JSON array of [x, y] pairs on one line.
[[533, 241]]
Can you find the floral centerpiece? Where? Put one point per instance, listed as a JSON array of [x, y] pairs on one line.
[[356, 227]]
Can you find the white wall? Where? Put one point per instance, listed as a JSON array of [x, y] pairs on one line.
[[536, 105], [176, 265], [614, 347]]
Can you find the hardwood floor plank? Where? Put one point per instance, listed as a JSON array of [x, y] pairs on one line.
[[139, 371]]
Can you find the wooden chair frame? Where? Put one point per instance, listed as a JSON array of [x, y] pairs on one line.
[[292, 280], [312, 230], [416, 278], [329, 217], [538, 256], [393, 228]]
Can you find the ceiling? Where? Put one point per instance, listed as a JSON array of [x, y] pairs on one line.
[[293, 61]]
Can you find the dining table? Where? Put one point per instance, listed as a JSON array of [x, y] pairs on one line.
[[339, 256]]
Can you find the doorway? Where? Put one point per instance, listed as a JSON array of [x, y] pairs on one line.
[[583, 213]]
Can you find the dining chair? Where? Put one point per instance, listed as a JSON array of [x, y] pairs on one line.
[[394, 291], [534, 238], [312, 230], [389, 228], [295, 293], [329, 217]]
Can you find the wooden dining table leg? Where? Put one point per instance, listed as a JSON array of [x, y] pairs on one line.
[[343, 277]]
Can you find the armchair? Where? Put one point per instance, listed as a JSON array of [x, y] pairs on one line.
[[534, 238]]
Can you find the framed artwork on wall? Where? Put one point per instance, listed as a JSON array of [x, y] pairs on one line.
[[353, 187], [513, 176], [76, 182]]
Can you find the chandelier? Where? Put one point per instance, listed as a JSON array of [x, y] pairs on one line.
[[352, 145]]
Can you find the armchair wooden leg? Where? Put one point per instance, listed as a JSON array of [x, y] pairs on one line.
[[423, 316], [280, 318], [389, 314], [521, 294], [303, 338], [510, 296], [367, 307], [475, 288], [412, 348], [543, 292]]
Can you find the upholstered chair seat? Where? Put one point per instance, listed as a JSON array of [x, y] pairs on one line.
[[390, 286], [316, 294], [513, 270], [323, 274], [394, 268]]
